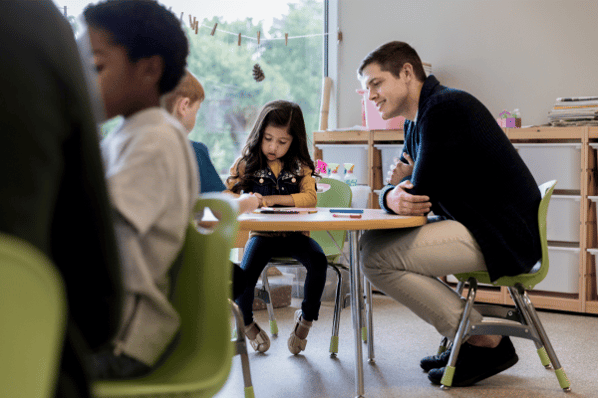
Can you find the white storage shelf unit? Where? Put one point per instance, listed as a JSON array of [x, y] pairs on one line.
[[347, 153], [561, 162]]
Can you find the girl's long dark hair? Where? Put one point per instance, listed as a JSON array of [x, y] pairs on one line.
[[278, 113]]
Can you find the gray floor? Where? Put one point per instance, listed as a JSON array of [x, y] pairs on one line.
[[401, 340]]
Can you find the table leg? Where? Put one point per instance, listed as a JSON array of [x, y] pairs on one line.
[[362, 309], [356, 292]]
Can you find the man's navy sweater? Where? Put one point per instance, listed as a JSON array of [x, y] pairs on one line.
[[473, 174]]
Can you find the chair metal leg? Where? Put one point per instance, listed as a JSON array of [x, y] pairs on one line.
[[526, 320], [445, 344], [370, 320], [449, 371], [241, 349], [531, 317], [266, 285], [336, 318]]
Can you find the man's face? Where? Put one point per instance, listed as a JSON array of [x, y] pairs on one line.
[[388, 92]]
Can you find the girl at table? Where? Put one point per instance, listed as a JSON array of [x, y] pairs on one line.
[[275, 165]]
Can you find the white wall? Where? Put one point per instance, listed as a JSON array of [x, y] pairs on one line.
[[508, 53]]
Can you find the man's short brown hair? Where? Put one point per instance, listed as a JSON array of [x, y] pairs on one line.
[[188, 87], [391, 57]]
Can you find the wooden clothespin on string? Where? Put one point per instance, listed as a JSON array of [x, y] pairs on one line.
[[239, 40], [258, 37], [214, 29], [286, 39], [191, 21], [196, 26]]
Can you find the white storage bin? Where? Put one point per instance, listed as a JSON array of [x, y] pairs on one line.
[[388, 153], [349, 153], [361, 196], [562, 220], [547, 162], [563, 273]]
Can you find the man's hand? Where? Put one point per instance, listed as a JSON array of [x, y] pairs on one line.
[[400, 170], [405, 204]]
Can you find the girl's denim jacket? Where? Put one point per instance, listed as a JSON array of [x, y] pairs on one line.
[[266, 184]]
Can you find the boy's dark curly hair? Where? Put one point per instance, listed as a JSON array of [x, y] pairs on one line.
[[278, 113], [144, 28]]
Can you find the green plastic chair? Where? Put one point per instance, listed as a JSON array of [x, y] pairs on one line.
[[338, 196], [201, 362], [33, 314], [500, 320]]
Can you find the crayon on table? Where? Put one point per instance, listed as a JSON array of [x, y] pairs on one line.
[[346, 215]]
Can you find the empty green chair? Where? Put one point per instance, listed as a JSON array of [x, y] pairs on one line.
[[33, 314], [201, 362], [499, 320], [338, 196]]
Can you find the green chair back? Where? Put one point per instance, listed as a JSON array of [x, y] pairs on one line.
[[201, 362], [33, 314], [338, 196], [531, 279]]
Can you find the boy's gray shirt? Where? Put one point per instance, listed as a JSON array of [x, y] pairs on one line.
[[153, 183]]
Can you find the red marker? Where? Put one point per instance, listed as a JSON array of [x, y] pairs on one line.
[[346, 215]]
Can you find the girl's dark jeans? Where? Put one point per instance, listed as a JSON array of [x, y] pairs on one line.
[[259, 250]]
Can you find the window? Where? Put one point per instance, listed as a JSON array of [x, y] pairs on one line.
[[293, 70]]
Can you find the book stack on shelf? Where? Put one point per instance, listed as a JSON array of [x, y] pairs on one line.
[[427, 68], [574, 111]]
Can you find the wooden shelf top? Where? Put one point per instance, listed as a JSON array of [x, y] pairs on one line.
[[358, 135]]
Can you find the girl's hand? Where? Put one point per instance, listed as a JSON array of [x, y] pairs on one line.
[[400, 170], [268, 201]]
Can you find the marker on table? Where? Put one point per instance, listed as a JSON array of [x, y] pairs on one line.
[[347, 211], [345, 215]]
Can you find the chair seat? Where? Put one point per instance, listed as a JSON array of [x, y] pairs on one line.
[[528, 280]]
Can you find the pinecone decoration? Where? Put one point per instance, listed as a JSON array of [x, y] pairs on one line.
[[258, 73]]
